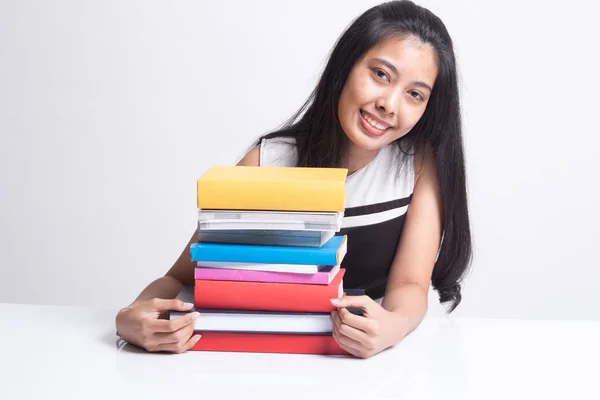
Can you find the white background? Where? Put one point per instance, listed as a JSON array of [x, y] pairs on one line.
[[110, 111]]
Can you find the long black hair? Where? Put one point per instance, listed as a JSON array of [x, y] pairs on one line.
[[320, 139]]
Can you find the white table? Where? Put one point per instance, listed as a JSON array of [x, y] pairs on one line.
[[71, 352]]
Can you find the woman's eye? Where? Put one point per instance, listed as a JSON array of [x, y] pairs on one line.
[[381, 74], [416, 95]]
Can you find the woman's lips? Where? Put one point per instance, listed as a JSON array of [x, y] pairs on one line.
[[370, 129]]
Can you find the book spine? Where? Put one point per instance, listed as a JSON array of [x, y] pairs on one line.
[[295, 268], [203, 251], [268, 343], [230, 237], [310, 195], [319, 278], [267, 296]]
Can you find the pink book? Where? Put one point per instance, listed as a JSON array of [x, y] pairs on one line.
[[323, 277]]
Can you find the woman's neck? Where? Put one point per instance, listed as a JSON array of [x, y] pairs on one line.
[[355, 158]]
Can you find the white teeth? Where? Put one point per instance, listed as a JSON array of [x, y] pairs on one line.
[[373, 123]]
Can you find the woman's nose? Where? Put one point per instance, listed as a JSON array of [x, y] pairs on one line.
[[388, 102]]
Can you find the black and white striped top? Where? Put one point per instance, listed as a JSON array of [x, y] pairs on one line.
[[377, 199]]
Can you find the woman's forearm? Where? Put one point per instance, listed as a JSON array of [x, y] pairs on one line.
[[408, 303], [166, 287]]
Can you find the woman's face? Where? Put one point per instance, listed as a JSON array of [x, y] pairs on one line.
[[386, 92]]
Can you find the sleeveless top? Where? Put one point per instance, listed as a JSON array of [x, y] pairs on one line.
[[377, 199]]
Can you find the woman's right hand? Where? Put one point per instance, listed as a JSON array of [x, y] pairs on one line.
[[140, 325]]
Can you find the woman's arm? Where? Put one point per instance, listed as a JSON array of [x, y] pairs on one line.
[[169, 286], [141, 323], [410, 275], [182, 271], [405, 300]]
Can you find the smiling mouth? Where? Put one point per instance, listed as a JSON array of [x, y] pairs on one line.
[[371, 126]]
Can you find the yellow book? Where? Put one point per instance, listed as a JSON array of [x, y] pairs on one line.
[[272, 188]]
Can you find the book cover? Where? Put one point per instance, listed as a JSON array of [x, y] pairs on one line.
[[267, 296], [268, 343], [323, 277], [331, 253], [272, 188]]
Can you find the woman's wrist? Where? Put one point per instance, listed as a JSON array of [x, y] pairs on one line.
[[398, 327], [119, 313]]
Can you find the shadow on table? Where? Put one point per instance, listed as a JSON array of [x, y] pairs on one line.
[[428, 361]]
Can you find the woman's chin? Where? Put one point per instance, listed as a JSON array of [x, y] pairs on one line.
[[367, 142]]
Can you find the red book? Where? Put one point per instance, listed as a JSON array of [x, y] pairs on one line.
[[268, 343], [267, 296]]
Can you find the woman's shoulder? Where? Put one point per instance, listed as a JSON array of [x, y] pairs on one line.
[[278, 151], [275, 151]]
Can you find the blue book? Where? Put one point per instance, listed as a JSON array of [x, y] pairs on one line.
[[331, 253]]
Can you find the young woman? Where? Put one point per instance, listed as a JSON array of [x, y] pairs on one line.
[[386, 108]]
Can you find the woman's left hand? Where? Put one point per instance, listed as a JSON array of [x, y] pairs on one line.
[[366, 335]]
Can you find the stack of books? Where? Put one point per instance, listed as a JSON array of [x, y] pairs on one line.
[[268, 259]]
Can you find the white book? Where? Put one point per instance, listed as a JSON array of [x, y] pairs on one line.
[[259, 321], [269, 220], [266, 225], [295, 268]]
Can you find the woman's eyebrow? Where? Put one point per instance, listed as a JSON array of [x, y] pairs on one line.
[[421, 84]]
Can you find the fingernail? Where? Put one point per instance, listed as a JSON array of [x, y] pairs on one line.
[[197, 337], [195, 315], [335, 302], [188, 304]]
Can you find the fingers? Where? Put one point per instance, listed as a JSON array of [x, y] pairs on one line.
[[170, 339], [354, 341], [180, 335], [163, 325], [348, 330], [356, 321], [364, 302], [141, 326], [179, 347], [161, 305], [350, 345]]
